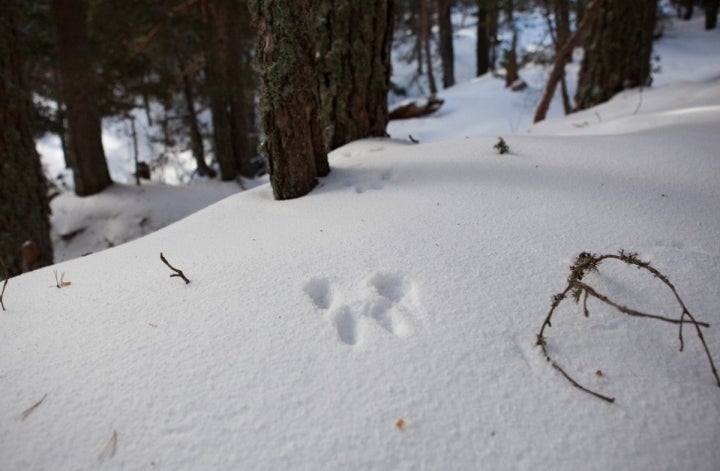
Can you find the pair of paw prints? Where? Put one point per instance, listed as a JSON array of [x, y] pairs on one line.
[[387, 301]]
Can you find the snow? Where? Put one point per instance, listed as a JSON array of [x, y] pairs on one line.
[[388, 319]]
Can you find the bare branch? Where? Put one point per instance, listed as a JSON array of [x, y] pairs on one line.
[[110, 448], [7, 277], [177, 273], [26, 413], [585, 263]]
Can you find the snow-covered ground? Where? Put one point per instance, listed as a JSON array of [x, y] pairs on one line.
[[388, 320]]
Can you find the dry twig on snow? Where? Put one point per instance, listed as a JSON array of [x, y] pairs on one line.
[[7, 277], [577, 289], [177, 273], [109, 450], [26, 413]]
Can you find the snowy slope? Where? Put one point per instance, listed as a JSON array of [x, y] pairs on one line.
[[388, 319]]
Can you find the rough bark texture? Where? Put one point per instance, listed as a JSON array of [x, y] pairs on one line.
[[289, 97], [354, 49], [447, 54], [79, 90], [617, 52], [24, 208]]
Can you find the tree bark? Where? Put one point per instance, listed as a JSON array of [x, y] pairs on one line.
[[80, 96], [354, 49], [24, 211], [617, 52], [289, 97], [447, 54]]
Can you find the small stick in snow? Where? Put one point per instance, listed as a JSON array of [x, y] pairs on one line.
[[177, 273], [7, 276], [26, 413], [61, 283], [109, 450], [577, 289]]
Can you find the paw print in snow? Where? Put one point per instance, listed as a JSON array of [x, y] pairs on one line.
[[387, 300]]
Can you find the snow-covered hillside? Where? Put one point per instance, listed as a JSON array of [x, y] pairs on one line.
[[388, 320]]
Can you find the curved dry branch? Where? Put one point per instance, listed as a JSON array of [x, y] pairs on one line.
[[586, 263]]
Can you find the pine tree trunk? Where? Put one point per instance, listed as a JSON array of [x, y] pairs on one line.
[[80, 96], [482, 49], [510, 61], [191, 121], [24, 208], [241, 87], [447, 54], [427, 34], [354, 47], [290, 101], [711, 13], [215, 15], [617, 52]]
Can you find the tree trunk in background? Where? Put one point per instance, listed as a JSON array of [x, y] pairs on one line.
[[215, 16], [561, 12], [482, 48], [354, 77], [687, 9], [510, 55], [80, 95], [447, 55], [617, 52], [711, 13], [24, 208], [196, 140], [241, 87], [427, 34], [290, 101]]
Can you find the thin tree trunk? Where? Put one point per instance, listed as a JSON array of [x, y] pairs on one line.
[[482, 48], [191, 121], [688, 10], [24, 207], [510, 59], [426, 33], [711, 13], [447, 55], [79, 94], [241, 87], [215, 16], [289, 96], [561, 59]]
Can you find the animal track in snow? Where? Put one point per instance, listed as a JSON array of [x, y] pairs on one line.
[[386, 300], [375, 181]]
